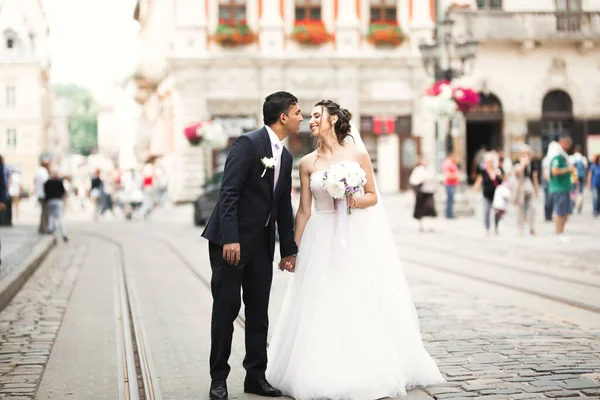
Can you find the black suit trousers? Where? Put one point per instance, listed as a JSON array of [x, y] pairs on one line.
[[253, 275]]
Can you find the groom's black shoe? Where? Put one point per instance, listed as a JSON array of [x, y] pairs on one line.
[[218, 389], [260, 387]]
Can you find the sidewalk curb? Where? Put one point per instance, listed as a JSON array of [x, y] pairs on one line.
[[14, 281]]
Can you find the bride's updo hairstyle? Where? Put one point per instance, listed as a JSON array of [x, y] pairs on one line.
[[342, 125]]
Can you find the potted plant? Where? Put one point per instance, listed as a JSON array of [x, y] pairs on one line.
[[385, 33], [233, 33], [193, 133], [311, 32], [208, 132], [443, 99]]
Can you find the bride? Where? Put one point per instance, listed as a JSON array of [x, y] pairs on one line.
[[348, 327]]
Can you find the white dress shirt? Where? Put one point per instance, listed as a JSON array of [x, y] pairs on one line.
[[277, 147]]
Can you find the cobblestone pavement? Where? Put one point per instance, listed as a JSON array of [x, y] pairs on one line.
[[490, 342], [487, 349], [30, 323], [17, 241]]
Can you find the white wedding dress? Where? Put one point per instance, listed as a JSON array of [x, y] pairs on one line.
[[348, 328]]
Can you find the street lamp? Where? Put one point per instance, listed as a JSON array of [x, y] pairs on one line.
[[446, 58]]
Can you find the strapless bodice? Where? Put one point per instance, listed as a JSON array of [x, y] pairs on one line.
[[323, 202]]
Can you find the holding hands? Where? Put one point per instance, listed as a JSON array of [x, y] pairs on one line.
[[288, 263]]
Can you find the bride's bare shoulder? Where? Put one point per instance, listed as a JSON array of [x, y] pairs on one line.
[[307, 162]]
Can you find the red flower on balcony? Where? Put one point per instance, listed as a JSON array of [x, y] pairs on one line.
[[385, 33], [233, 33], [311, 32]]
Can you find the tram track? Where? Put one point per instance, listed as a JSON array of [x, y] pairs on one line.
[[136, 376], [500, 264], [506, 284]]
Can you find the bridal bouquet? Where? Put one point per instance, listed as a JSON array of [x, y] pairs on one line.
[[344, 180]]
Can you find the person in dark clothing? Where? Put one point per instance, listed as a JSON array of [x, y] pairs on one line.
[[489, 178], [97, 194], [3, 195], [54, 189]]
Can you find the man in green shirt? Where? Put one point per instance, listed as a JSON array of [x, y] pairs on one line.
[[560, 186]]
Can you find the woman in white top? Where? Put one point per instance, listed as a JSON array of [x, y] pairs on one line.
[[422, 180]]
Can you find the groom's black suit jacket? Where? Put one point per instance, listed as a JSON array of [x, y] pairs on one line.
[[246, 199]]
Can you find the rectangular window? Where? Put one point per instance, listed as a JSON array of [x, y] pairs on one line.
[[11, 98], [383, 10], [489, 4], [232, 11], [568, 5], [11, 138], [308, 10]]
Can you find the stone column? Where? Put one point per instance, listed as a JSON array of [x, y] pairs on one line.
[[421, 24], [347, 28], [271, 27], [191, 28]]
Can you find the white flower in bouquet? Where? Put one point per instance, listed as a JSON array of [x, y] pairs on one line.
[[336, 172], [335, 188], [356, 177]]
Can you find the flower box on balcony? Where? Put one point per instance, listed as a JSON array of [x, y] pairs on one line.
[[311, 33], [459, 6], [233, 34], [385, 33]]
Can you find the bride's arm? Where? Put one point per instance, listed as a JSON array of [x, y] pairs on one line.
[[305, 209], [370, 197]]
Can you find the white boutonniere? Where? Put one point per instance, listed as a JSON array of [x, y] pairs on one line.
[[268, 163]]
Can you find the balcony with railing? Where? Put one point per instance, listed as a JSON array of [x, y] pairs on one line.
[[520, 26]]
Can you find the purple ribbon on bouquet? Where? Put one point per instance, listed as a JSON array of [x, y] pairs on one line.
[[341, 220]]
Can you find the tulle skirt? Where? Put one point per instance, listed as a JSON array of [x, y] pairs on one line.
[[348, 328]]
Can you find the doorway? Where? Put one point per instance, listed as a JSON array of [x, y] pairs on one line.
[[481, 135], [410, 149], [484, 131]]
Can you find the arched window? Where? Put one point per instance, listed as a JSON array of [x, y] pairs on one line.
[[557, 116], [557, 104]]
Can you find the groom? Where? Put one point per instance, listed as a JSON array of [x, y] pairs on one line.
[[255, 195]]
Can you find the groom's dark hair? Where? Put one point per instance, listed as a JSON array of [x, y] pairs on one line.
[[275, 104]]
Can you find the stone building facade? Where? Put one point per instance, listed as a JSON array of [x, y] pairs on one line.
[[25, 94], [537, 70], [207, 79]]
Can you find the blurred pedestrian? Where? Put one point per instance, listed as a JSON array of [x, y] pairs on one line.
[[477, 162], [553, 149], [15, 190], [148, 181], [560, 186], [500, 203], [41, 176], [594, 184], [97, 193], [488, 179], [56, 193], [3, 196], [505, 162], [580, 162], [422, 179], [526, 189], [450, 173]]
